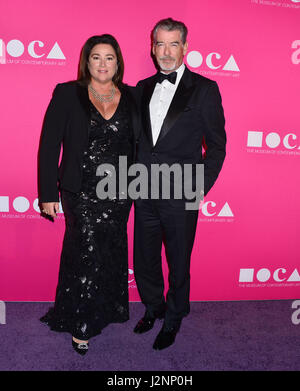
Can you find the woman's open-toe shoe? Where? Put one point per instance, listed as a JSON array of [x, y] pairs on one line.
[[81, 347]]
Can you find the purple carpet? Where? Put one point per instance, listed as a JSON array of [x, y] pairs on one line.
[[216, 336]]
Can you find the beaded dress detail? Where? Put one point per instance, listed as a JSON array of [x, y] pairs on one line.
[[92, 288]]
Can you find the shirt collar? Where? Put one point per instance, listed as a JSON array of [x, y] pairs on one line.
[[179, 71]]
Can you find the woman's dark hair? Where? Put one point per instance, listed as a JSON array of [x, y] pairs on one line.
[[83, 71]]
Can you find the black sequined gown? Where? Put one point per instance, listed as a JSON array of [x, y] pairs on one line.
[[92, 287]]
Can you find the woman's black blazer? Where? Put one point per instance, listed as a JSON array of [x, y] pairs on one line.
[[66, 124]]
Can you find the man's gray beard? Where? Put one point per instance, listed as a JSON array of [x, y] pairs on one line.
[[165, 69]]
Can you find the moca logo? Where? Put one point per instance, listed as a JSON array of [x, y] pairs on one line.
[[20, 204], [296, 54], [208, 209], [130, 276], [16, 48], [213, 60], [264, 275], [272, 140]]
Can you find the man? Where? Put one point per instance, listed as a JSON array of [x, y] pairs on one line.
[[180, 110]]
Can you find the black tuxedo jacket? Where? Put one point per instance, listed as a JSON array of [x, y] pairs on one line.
[[66, 124], [194, 116]]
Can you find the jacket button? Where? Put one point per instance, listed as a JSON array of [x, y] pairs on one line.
[[153, 154]]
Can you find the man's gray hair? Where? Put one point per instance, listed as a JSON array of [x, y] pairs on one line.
[[170, 24]]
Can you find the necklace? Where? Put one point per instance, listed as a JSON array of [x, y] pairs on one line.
[[103, 97]]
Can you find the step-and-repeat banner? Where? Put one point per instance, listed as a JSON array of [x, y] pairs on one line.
[[249, 224]]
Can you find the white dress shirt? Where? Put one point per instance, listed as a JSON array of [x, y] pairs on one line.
[[160, 102]]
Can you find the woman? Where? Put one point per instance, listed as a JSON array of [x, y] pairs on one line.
[[94, 118]]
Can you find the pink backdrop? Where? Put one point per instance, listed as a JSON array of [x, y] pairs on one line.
[[250, 219]]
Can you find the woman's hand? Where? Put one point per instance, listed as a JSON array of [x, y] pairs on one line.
[[50, 208]]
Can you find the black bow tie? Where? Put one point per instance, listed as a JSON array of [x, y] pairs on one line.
[[171, 77]]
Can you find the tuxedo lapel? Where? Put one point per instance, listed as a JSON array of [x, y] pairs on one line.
[[183, 93], [146, 97], [83, 96]]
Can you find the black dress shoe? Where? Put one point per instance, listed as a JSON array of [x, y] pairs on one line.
[[81, 347], [144, 325], [165, 338], [147, 322]]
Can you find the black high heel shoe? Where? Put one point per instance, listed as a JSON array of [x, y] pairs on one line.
[[81, 347]]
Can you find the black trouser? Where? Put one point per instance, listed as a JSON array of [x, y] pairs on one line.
[[157, 222]]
